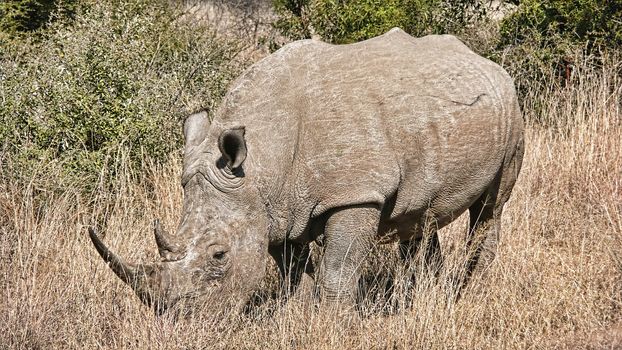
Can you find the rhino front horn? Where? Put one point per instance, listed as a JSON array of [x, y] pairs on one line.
[[144, 279], [126, 272], [167, 247]]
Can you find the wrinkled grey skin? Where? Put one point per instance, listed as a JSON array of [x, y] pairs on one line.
[[390, 138]]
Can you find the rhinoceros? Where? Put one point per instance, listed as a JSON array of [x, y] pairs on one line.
[[390, 138]]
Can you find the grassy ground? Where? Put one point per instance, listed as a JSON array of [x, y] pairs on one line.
[[555, 284]]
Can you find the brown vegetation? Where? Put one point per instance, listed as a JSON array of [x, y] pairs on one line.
[[556, 281], [555, 284]]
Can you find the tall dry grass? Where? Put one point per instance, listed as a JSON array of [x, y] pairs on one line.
[[556, 282]]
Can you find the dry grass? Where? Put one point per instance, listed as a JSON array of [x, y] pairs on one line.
[[556, 281]]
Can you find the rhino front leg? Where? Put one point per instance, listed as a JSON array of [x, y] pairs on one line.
[[293, 262], [348, 238]]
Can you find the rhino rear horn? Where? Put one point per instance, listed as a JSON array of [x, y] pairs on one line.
[[167, 247]]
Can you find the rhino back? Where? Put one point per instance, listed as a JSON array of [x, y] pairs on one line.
[[423, 123]]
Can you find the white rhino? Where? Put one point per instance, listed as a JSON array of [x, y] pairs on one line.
[[391, 137]]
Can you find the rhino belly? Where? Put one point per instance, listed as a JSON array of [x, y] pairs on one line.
[[437, 193]]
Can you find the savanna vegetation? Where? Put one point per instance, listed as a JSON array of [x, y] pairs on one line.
[[92, 99]]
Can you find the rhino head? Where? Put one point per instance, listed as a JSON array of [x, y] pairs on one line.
[[219, 250]]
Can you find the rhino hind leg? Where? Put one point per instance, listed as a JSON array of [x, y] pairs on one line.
[[423, 262], [349, 234], [422, 254], [485, 215], [483, 236]]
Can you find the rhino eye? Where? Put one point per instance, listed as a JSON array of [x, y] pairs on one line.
[[219, 255]]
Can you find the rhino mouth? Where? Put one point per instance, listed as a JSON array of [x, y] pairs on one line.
[[162, 286], [150, 282]]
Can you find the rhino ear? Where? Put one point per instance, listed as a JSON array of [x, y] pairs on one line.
[[232, 146], [196, 127]]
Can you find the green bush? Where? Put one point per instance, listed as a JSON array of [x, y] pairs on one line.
[[18, 16], [341, 21], [118, 80], [352, 21], [543, 41], [595, 23]]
